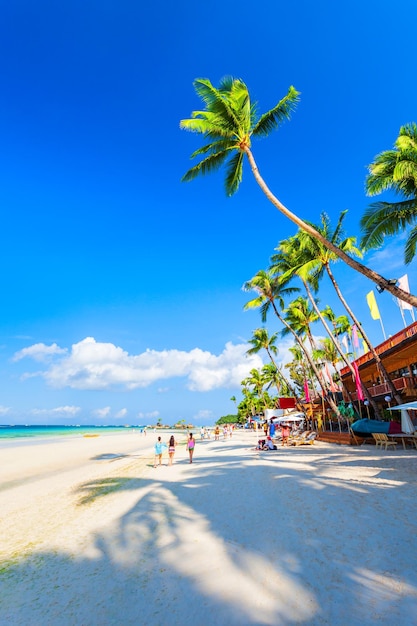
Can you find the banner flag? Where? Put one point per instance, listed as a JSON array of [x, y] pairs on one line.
[[403, 284], [365, 347], [373, 307], [333, 386], [359, 391], [355, 338], [306, 391], [345, 343]]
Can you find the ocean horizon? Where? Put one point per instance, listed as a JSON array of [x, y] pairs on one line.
[[13, 432]]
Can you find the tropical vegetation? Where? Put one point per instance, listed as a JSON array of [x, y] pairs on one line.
[[229, 122], [288, 288], [393, 170]]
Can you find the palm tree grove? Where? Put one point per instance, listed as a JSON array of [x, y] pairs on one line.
[[321, 373]]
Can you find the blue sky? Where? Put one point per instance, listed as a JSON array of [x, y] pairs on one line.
[[121, 286]]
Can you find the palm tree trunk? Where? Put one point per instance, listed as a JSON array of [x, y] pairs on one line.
[[284, 379], [339, 350], [310, 361], [376, 356], [359, 267]]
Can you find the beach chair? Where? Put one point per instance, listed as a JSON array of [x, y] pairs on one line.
[[377, 439], [354, 439], [384, 440], [305, 438]]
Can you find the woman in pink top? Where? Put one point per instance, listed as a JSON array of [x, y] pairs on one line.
[[191, 446]]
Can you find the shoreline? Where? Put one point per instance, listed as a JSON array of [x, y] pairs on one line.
[[93, 534]]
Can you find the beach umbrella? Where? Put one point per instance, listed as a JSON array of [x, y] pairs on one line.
[[294, 417], [407, 425]]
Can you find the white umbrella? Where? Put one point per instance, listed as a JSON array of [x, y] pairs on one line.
[[294, 417], [407, 405], [407, 425]]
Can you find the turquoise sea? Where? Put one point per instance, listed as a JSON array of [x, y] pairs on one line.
[[32, 433]]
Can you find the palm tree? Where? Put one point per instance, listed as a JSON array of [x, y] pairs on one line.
[[261, 340], [315, 259], [271, 292], [394, 170], [273, 376], [257, 381], [300, 373], [328, 352], [305, 257], [229, 122], [299, 315]]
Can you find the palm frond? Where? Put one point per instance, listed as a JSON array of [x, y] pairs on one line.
[[213, 148], [211, 163], [253, 304], [410, 246], [386, 218], [219, 101], [281, 112], [234, 173]]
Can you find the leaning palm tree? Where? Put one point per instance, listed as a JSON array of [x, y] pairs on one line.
[[315, 260], [262, 340], [394, 170], [271, 294], [273, 376], [256, 380], [229, 122], [305, 257]]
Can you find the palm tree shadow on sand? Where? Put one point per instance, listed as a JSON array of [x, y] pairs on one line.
[[193, 548]]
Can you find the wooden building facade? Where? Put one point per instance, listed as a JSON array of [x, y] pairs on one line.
[[399, 356]]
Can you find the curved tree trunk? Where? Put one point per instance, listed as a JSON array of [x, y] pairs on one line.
[[310, 361], [340, 351], [285, 380], [359, 267], [378, 361]]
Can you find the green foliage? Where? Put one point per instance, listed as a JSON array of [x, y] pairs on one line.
[[228, 122], [393, 170], [230, 419]]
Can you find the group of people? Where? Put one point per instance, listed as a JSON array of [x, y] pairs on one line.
[[269, 430], [160, 448]]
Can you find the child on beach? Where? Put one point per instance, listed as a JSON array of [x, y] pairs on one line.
[[191, 446], [159, 448], [171, 449]]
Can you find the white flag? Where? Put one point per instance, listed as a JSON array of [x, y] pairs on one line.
[[345, 343], [403, 284]]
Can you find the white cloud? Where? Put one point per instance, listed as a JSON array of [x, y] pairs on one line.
[[102, 413], [389, 257], [59, 410], [4, 410], [121, 413], [151, 414], [96, 365], [39, 352], [204, 415]]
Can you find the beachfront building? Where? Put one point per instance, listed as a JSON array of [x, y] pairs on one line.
[[399, 356]]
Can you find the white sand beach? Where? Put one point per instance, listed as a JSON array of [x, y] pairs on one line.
[[93, 535]]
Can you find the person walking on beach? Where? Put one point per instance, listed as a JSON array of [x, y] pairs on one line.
[[159, 448], [191, 446], [171, 449]]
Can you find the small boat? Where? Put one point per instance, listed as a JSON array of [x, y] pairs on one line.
[[364, 427], [90, 435]]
